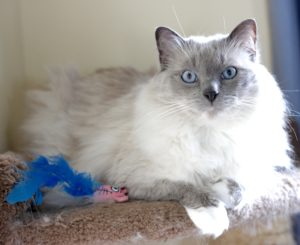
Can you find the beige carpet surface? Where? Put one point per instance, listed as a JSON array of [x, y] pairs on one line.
[[131, 222]]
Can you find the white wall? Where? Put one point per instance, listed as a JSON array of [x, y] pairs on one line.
[[11, 65]]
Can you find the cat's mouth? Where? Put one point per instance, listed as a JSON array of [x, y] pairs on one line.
[[216, 110], [210, 112], [212, 107]]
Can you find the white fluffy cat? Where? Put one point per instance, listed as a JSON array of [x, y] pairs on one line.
[[207, 130]]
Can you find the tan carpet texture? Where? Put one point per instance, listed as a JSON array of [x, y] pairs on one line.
[[131, 222]]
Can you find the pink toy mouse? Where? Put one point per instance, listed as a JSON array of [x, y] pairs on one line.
[[108, 193]]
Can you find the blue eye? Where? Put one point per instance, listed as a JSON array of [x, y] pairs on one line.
[[189, 76], [229, 73]]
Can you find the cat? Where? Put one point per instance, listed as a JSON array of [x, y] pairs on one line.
[[207, 130]]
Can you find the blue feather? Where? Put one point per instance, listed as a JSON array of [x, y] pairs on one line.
[[38, 198], [48, 172]]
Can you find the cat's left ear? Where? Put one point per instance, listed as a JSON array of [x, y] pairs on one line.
[[244, 35], [167, 42]]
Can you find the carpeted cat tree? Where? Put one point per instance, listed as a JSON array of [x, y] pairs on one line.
[[131, 222]]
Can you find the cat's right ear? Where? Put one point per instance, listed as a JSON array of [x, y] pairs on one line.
[[167, 42]]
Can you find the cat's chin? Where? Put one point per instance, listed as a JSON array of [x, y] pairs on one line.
[[210, 114], [218, 119]]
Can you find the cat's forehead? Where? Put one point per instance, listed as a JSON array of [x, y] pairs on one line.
[[206, 39], [212, 51], [207, 45]]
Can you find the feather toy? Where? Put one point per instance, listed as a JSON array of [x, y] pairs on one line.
[[53, 174]]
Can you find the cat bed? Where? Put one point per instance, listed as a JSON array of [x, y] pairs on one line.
[[131, 222]]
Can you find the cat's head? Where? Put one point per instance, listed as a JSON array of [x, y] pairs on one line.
[[209, 76]]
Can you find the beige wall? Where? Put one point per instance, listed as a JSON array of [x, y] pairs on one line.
[[11, 65], [97, 33], [35, 34]]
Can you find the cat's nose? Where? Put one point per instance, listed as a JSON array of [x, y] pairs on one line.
[[211, 94]]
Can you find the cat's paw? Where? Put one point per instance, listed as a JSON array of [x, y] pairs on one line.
[[212, 221], [228, 191]]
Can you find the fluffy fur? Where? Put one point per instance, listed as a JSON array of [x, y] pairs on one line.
[[162, 138]]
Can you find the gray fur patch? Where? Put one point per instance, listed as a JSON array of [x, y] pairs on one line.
[[235, 192], [187, 194]]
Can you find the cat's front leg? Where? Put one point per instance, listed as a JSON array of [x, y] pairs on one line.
[[204, 208], [206, 211], [213, 219]]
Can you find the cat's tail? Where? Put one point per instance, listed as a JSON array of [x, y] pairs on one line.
[[46, 129]]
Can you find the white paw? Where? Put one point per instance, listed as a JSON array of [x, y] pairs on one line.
[[211, 221]]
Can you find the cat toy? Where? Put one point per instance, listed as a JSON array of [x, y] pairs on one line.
[[54, 173]]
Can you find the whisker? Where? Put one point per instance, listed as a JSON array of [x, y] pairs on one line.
[[293, 130], [155, 114], [295, 112], [291, 90], [177, 19], [170, 109]]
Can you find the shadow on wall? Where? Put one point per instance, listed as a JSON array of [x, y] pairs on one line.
[[285, 23], [285, 26]]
